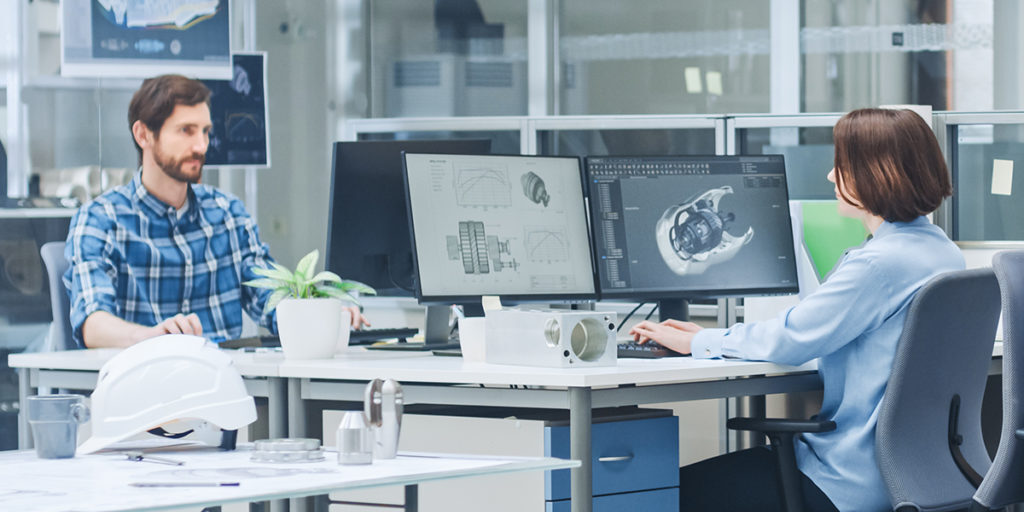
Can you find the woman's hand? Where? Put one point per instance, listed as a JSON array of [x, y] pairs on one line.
[[671, 334], [358, 320]]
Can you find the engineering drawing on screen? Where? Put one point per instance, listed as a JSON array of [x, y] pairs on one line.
[[693, 236], [533, 188], [479, 253], [483, 186]]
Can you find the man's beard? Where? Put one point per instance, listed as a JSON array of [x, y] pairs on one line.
[[172, 167]]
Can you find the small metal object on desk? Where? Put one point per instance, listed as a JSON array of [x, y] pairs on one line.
[[287, 450], [142, 457]]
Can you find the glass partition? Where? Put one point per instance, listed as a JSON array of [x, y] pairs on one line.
[[632, 135], [505, 133], [982, 151], [447, 58], [805, 141]]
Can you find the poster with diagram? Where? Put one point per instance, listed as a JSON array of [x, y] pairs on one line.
[[129, 39]]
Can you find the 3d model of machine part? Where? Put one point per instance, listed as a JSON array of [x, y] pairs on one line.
[[534, 189], [692, 236], [479, 252]]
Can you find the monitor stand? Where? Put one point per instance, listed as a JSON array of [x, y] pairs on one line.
[[436, 333], [676, 309]]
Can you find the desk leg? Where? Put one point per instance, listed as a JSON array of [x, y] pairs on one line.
[[581, 488], [297, 428], [296, 409], [24, 390], [277, 407]]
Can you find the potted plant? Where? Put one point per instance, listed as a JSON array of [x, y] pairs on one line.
[[312, 321]]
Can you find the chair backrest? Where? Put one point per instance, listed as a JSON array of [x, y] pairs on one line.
[[945, 351], [60, 334], [1002, 484]]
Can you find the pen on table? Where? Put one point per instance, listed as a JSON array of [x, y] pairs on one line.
[[142, 457], [185, 484]]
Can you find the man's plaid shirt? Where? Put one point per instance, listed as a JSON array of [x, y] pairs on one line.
[[134, 257]]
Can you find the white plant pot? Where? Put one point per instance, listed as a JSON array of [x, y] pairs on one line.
[[312, 328]]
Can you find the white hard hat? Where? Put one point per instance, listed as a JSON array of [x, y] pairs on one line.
[[161, 381]]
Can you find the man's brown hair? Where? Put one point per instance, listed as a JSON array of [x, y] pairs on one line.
[[889, 163], [154, 102]]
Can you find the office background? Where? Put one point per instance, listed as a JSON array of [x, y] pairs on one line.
[[554, 77]]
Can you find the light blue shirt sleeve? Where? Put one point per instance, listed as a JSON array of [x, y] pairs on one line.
[[849, 304]]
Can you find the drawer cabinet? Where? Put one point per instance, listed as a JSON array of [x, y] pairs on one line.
[[635, 462]]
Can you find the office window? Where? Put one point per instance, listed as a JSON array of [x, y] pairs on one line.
[[663, 57], [502, 142], [808, 152], [447, 58], [699, 141], [987, 201]]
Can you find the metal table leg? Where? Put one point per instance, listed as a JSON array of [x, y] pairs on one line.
[[581, 488], [24, 390], [297, 428], [277, 407]]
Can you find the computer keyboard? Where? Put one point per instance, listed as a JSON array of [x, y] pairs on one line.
[[649, 350], [360, 337], [367, 336]]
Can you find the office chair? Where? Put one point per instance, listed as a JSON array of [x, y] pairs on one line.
[[928, 437], [60, 331], [1002, 484]]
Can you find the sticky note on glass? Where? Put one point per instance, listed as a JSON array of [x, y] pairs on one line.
[[714, 83], [693, 81], [1002, 177]]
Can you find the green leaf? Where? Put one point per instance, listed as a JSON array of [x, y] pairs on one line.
[[326, 276], [349, 286], [275, 298], [281, 273], [304, 270], [272, 284], [332, 291]]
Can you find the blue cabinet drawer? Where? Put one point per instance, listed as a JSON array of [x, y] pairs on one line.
[[661, 500], [632, 455]]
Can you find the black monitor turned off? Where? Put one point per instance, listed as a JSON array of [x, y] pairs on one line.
[[684, 227]]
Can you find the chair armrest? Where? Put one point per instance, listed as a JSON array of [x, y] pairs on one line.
[[1020, 434], [780, 425]]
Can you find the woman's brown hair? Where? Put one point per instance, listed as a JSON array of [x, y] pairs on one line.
[[889, 163], [154, 102]]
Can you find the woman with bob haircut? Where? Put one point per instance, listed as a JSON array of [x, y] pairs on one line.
[[889, 173]]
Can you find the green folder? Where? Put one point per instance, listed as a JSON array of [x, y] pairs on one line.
[[827, 235]]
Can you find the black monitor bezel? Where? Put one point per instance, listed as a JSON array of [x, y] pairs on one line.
[[554, 297], [335, 147], [679, 293]]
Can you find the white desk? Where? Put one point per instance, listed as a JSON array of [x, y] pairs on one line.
[[449, 381], [100, 482], [79, 369]]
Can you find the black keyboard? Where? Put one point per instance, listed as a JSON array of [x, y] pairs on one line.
[[649, 350], [360, 337], [367, 336]]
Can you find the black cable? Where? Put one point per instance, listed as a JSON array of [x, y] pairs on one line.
[[626, 318], [649, 315]]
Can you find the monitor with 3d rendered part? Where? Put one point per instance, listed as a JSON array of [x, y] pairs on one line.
[[674, 228]]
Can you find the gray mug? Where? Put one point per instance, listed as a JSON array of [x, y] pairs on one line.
[[55, 420]]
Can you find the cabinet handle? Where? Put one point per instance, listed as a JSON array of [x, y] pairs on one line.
[[620, 458]]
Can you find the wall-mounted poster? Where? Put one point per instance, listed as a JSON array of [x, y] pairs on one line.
[[238, 109], [140, 39]]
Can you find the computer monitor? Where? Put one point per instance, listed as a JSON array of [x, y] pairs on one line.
[[673, 228], [368, 236], [3, 172], [512, 226]]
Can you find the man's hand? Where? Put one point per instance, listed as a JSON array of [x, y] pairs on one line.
[[102, 329], [177, 324], [671, 334], [358, 320]]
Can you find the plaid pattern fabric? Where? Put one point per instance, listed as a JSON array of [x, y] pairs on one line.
[[135, 257]]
